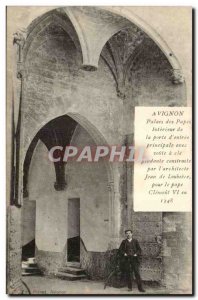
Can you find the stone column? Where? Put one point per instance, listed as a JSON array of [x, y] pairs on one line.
[[116, 195]]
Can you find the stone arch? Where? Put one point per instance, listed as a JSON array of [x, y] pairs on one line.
[[151, 32], [92, 131], [131, 18], [86, 124], [40, 23], [71, 22], [99, 139]]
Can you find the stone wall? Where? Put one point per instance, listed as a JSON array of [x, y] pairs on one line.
[[89, 182], [48, 261], [28, 221], [147, 228], [14, 251], [177, 251], [51, 206]]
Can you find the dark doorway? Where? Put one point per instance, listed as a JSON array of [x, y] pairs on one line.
[[28, 250], [73, 242]]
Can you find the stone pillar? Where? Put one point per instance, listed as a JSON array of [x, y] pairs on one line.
[[117, 203], [14, 239], [129, 182], [114, 228]]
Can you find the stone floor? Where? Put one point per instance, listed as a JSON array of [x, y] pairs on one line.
[[44, 285]]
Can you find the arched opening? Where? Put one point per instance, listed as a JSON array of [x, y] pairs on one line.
[[68, 202], [138, 65]]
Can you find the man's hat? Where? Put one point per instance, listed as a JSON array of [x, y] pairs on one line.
[[128, 230]]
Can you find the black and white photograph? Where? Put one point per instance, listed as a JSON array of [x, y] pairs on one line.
[[99, 150]]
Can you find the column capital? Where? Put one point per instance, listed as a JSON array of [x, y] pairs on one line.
[[19, 39], [177, 76]]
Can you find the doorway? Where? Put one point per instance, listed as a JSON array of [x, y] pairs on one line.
[[73, 241]]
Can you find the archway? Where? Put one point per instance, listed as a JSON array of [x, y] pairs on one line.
[[56, 189]]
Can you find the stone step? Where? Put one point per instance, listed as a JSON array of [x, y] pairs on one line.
[[31, 260], [28, 273], [73, 264], [38, 272], [72, 270], [32, 265], [32, 269], [29, 267], [25, 264], [71, 277]]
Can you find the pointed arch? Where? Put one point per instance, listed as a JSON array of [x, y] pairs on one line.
[[39, 24]]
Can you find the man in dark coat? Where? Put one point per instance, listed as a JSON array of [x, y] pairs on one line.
[[129, 254]]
